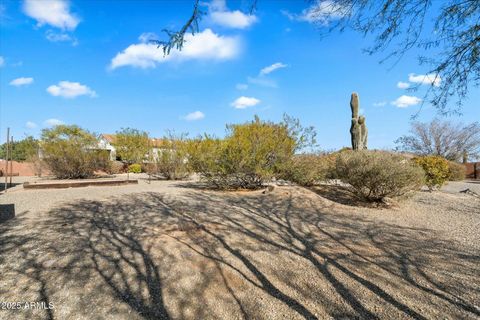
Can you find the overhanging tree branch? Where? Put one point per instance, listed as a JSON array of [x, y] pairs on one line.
[[176, 39], [451, 46]]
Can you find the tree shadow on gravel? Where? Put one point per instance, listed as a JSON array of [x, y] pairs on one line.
[[16, 246], [156, 256], [108, 244], [348, 252]]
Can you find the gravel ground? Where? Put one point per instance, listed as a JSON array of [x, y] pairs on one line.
[[168, 250], [457, 186]]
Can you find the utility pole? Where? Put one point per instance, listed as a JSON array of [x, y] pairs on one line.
[[6, 160], [11, 160]]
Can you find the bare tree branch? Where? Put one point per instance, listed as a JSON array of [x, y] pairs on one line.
[[444, 139], [451, 44]]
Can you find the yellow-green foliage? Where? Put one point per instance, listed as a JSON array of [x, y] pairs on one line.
[[250, 154], [457, 171], [377, 175], [68, 151], [308, 169], [131, 145], [171, 161], [205, 158], [436, 170], [135, 168], [330, 161], [257, 148]]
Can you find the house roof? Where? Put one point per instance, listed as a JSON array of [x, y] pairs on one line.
[[154, 142], [110, 138]]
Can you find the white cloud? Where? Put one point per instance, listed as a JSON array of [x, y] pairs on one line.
[[272, 68], [379, 104], [30, 125], [53, 12], [241, 86], [205, 45], [233, 19], [2, 61], [52, 122], [230, 19], [245, 102], [69, 89], [197, 115], [403, 85], [320, 12], [60, 37], [21, 82], [406, 101], [431, 78]]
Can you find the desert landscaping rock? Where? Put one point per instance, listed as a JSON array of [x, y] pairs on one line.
[[169, 250]]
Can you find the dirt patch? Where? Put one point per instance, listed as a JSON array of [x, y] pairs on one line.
[[178, 253]]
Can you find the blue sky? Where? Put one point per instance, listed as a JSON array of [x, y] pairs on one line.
[[88, 63]]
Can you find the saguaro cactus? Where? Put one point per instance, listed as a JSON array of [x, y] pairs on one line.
[[358, 129]]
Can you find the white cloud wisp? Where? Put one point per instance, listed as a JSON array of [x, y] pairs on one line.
[[22, 81]]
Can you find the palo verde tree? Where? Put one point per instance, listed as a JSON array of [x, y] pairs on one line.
[[71, 152], [171, 160], [132, 145], [448, 32], [250, 154]]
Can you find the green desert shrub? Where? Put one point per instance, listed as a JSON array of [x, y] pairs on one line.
[[375, 176], [69, 152], [456, 171], [436, 168], [172, 160], [135, 168], [250, 154], [330, 162], [205, 157], [307, 169]]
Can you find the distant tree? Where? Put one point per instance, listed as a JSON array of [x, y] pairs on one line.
[[70, 152], [305, 138], [132, 145], [442, 138], [21, 150], [451, 43], [171, 159]]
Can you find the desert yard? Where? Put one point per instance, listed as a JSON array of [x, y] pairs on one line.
[[172, 250]]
